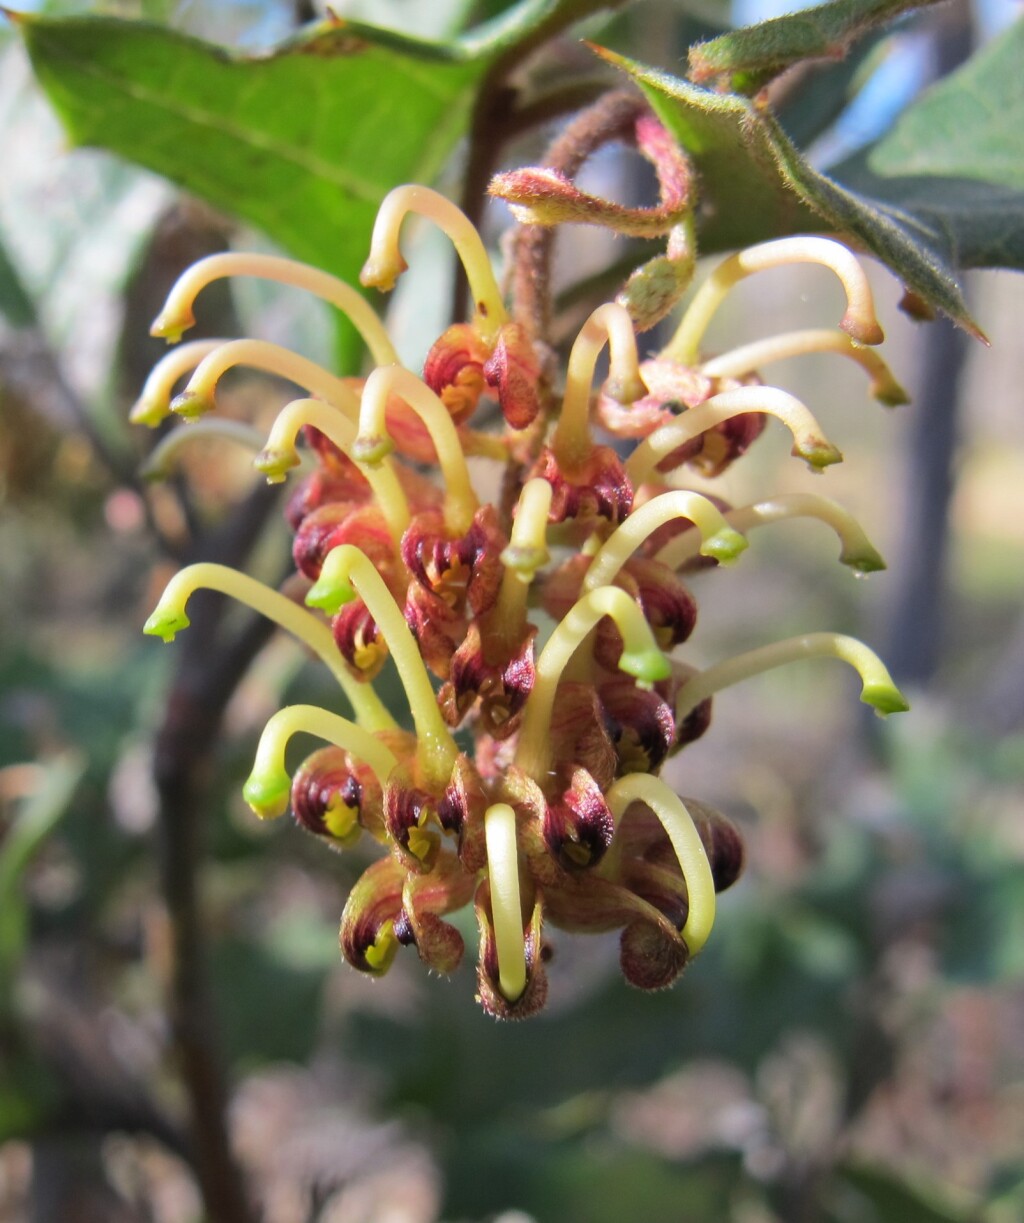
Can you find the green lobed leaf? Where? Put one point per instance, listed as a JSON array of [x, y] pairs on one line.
[[745, 60], [756, 185]]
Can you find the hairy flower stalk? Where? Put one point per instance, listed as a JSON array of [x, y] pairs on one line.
[[531, 782]]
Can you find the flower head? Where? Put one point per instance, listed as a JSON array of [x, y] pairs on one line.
[[555, 814]]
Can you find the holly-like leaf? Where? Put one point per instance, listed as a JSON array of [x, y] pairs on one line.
[[955, 159], [745, 60], [968, 126], [302, 141], [756, 185]]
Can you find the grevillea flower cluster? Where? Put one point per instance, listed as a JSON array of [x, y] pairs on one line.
[[543, 620]]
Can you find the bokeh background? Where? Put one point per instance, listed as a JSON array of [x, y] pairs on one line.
[[849, 1048]]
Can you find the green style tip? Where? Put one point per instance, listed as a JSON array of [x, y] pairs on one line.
[[725, 545], [863, 561], [171, 327], [275, 464], [818, 453], [524, 560], [884, 698], [166, 623], [268, 794], [191, 405], [372, 450], [648, 666], [329, 597], [149, 412]]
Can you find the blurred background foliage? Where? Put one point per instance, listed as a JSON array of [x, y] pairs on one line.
[[850, 1046]]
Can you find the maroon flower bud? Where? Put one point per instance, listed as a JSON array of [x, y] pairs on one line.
[[336, 797], [599, 488], [343, 522], [513, 370], [460, 811], [454, 370], [411, 823], [652, 951], [367, 935], [578, 824], [467, 569], [673, 388], [641, 835], [718, 447], [490, 997], [357, 637], [319, 488], [697, 721], [578, 734], [336, 462], [722, 842], [502, 688], [437, 628], [652, 955], [669, 608], [639, 723], [444, 889]]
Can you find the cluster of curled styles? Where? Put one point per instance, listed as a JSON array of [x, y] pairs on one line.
[[543, 623]]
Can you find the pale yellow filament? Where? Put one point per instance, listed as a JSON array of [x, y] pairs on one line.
[[609, 324], [640, 657], [268, 786], [280, 453], [506, 905], [751, 357], [857, 550], [878, 689], [176, 316], [810, 442], [154, 404], [717, 537], [348, 569], [526, 553], [198, 396], [159, 461], [385, 263], [860, 319], [460, 503], [169, 618], [689, 848]]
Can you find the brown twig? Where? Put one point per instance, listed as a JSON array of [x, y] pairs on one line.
[[208, 674]]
